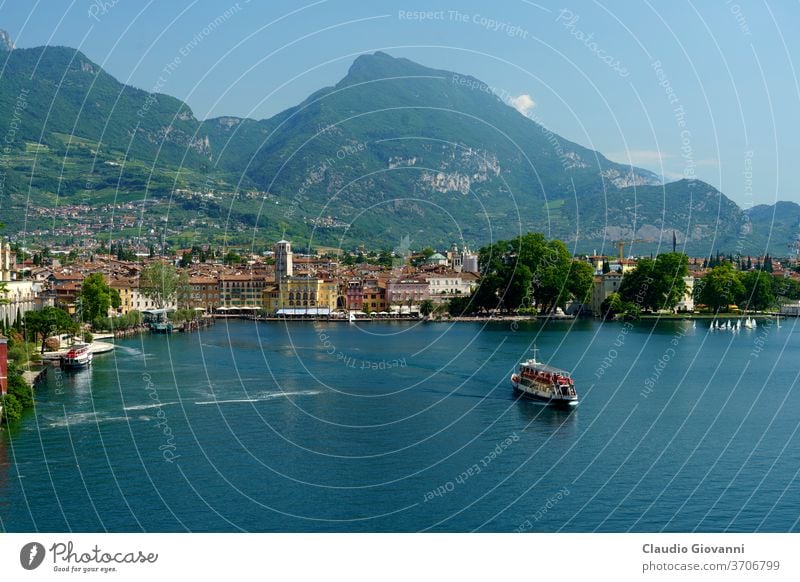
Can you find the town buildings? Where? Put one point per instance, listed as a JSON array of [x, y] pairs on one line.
[[19, 295], [286, 283]]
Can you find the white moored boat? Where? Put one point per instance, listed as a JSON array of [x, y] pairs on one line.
[[544, 383], [78, 356]]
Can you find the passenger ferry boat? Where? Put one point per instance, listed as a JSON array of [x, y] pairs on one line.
[[78, 356], [544, 383]]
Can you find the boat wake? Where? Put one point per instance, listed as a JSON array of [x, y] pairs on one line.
[[148, 406], [262, 397], [81, 418], [129, 350]]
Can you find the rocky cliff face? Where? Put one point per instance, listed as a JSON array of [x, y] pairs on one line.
[[6, 44]]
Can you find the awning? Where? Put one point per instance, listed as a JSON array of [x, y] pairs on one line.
[[305, 311]]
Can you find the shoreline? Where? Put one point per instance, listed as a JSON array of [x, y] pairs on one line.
[[511, 318]]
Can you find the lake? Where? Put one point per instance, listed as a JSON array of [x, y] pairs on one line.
[[410, 426]]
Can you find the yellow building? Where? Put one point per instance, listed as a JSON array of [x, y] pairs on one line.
[[126, 288], [303, 292], [329, 294], [237, 291], [271, 298]]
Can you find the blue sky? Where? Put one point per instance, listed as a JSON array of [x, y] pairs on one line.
[[707, 89]]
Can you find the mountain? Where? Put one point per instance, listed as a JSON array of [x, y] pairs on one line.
[[776, 225], [75, 136], [66, 94], [394, 150], [398, 148]]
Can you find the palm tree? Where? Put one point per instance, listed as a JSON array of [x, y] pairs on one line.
[[426, 307]]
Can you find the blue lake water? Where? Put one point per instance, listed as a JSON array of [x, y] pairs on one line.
[[252, 426]]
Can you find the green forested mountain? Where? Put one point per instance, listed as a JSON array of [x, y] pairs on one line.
[[394, 149]]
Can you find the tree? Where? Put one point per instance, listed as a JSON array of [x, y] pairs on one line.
[[48, 321], [719, 288], [3, 293], [670, 270], [458, 306], [116, 300], [638, 286], [95, 297], [232, 258], [159, 283], [656, 284], [783, 287], [19, 397], [758, 290], [485, 296], [528, 268], [613, 306], [12, 409], [426, 307], [579, 280], [186, 260]]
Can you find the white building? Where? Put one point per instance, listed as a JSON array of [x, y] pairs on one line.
[[139, 302], [22, 296], [283, 260], [687, 303], [444, 286], [462, 261]]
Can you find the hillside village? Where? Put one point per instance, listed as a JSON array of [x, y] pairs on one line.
[[282, 283]]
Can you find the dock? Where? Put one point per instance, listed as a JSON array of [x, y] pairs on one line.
[[34, 377], [95, 347]]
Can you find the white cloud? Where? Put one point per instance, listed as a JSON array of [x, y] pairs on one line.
[[523, 103]]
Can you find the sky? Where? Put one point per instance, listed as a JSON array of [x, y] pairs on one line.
[[685, 89]]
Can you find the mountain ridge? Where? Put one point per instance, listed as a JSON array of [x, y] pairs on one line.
[[393, 148]]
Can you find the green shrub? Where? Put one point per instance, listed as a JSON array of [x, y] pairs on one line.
[[12, 409], [18, 387]]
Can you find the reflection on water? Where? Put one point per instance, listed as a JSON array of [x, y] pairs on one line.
[[543, 418]]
